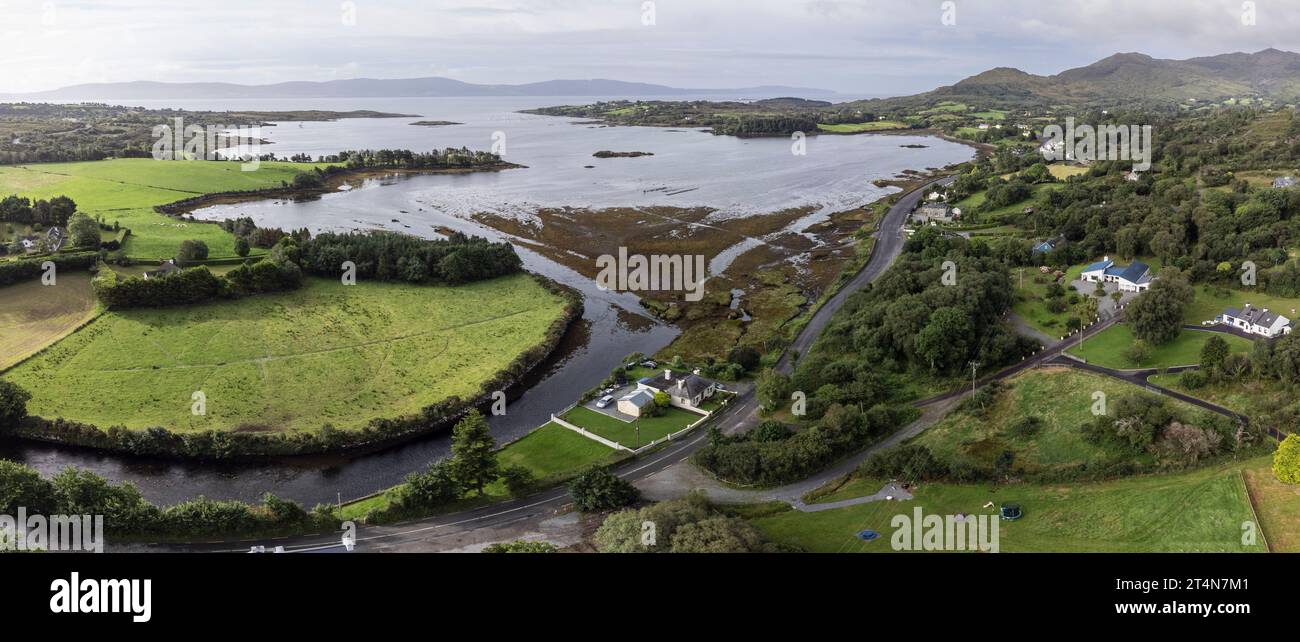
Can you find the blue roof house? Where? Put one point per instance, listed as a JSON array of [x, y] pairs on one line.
[[1136, 277]]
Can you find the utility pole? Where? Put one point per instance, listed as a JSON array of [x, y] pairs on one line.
[[974, 365]]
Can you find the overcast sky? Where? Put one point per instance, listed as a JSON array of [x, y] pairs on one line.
[[858, 47]]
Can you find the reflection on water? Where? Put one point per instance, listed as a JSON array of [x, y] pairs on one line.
[[689, 168]]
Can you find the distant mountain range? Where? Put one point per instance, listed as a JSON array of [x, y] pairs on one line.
[[1270, 73], [393, 88]]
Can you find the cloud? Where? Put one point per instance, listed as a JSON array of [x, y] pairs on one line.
[[853, 46]]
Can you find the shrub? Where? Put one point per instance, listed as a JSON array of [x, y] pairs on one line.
[[745, 357], [518, 480], [13, 404], [1026, 426], [1192, 379], [521, 546], [1286, 461], [909, 462], [432, 487], [599, 489], [22, 486]]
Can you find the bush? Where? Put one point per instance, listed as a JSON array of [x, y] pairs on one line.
[[745, 357], [13, 404], [1192, 379], [22, 486], [521, 546], [1286, 461], [599, 489], [909, 462], [433, 487], [1027, 426], [518, 480]]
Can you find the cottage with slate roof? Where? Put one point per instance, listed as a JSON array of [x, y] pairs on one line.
[[1256, 321], [685, 390]]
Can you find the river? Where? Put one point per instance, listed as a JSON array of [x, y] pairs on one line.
[[736, 177]]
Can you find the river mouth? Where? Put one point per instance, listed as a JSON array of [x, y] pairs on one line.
[[717, 188]]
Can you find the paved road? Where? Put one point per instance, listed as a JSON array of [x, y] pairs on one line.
[[738, 416], [889, 244]]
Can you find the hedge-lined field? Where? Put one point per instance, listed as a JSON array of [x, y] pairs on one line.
[[125, 191], [327, 353], [33, 315]]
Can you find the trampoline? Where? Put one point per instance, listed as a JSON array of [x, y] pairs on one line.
[[868, 535], [1010, 511]]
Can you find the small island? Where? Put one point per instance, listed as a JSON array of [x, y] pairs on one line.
[[434, 123], [608, 154]]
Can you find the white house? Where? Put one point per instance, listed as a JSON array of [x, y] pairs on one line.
[[1134, 278], [1256, 321], [684, 390]]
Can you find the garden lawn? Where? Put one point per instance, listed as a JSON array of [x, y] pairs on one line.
[[1210, 302], [1200, 511], [33, 315], [126, 190], [553, 451], [651, 428], [1061, 397], [1108, 348], [324, 354]]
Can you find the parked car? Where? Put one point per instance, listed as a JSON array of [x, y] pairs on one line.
[[605, 401], [649, 364]]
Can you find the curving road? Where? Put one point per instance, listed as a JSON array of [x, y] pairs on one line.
[[739, 415]]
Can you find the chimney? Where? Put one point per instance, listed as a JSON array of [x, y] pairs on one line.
[[668, 374]]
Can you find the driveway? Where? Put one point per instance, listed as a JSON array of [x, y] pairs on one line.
[[1105, 305], [612, 408]]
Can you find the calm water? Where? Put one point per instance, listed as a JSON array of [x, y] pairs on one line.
[[689, 168]]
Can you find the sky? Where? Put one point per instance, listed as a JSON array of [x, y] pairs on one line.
[[856, 47]]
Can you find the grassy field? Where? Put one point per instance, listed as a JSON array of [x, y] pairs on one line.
[[968, 204], [327, 353], [854, 128], [33, 316], [552, 453], [1061, 171], [126, 190], [1277, 505], [1060, 397], [1200, 511], [1032, 307], [651, 428], [1251, 397], [1108, 348], [1211, 301]]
